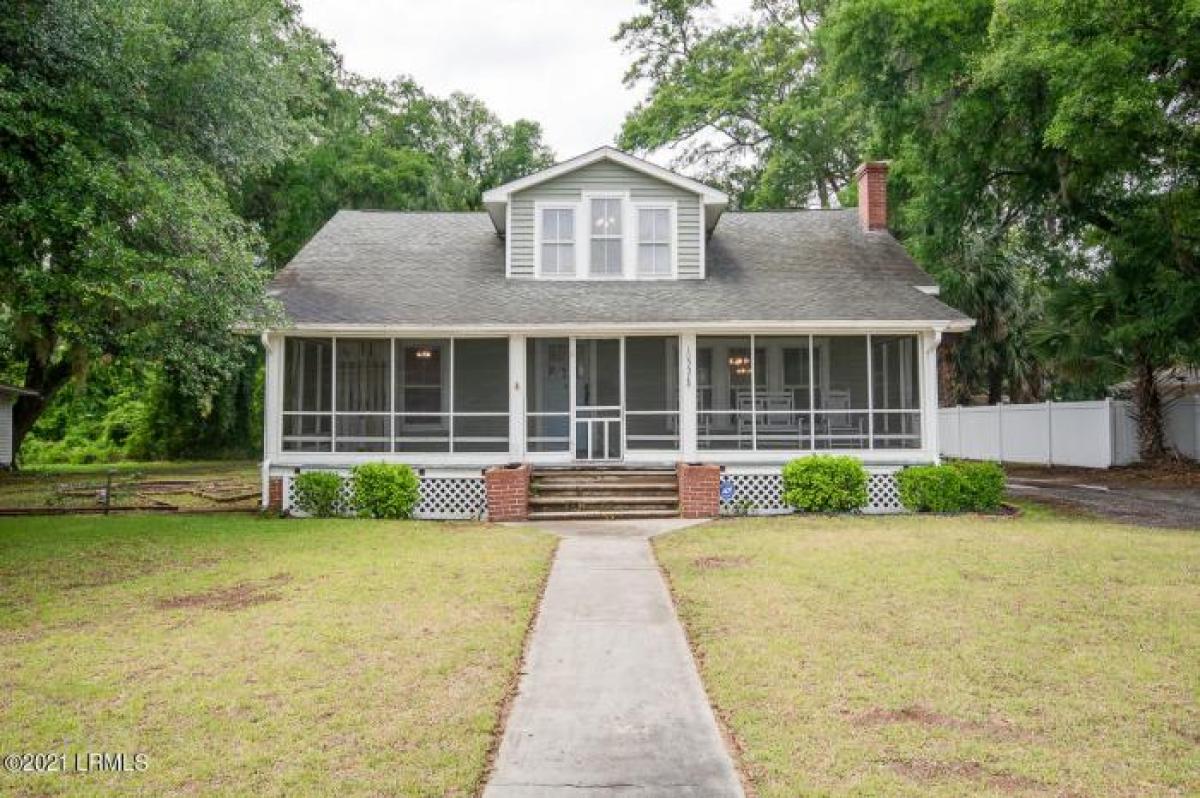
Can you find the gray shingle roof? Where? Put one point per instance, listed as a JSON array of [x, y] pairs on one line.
[[447, 269]]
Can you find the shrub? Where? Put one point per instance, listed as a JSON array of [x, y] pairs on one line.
[[825, 484], [952, 487], [931, 489], [983, 485], [385, 490], [318, 493]]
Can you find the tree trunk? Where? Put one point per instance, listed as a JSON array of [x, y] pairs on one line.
[[948, 393], [995, 385], [46, 380], [1148, 409]]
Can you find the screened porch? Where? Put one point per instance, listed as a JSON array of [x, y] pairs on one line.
[[550, 399]]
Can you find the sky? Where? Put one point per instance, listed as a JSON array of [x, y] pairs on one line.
[[552, 61]]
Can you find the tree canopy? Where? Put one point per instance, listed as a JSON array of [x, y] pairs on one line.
[[159, 158], [1044, 159], [744, 101], [393, 147]]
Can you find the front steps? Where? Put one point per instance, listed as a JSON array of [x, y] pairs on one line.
[[586, 493]]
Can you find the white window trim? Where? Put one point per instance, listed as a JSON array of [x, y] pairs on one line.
[[538, 208], [583, 237], [672, 209], [585, 204]]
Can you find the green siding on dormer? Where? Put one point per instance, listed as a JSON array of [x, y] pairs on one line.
[[603, 176]]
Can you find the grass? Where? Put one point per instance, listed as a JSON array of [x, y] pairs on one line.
[[247, 656], [146, 467], [1041, 655], [186, 485]]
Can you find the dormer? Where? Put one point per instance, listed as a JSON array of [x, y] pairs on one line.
[[604, 215]]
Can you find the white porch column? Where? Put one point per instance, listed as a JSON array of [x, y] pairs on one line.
[[687, 396], [272, 404], [929, 392], [516, 398]]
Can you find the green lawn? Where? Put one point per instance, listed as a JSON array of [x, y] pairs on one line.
[[267, 657], [1045, 655]]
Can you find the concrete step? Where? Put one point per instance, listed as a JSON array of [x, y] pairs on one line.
[[588, 515], [598, 492], [602, 473], [605, 509], [604, 487], [603, 500]]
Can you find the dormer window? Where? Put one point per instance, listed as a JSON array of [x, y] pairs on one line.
[[558, 241], [655, 234], [605, 234], [606, 243]]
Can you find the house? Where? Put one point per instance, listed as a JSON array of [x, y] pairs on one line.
[[604, 312], [9, 394]]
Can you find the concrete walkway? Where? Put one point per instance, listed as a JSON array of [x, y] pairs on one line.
[[610, 703]]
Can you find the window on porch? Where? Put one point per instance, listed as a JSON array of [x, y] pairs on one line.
[[307, 395], [652, 393], [808, 392], [359, 395], [548, 395], [364, 395]]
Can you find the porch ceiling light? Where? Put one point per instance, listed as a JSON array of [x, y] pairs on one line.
[[423, 353], [740, 364]]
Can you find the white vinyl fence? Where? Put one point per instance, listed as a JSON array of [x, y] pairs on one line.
[[1093, 434]]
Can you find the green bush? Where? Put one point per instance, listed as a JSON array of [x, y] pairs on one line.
[[825, 484], [318, 493], [385, 490], [955, 487], [983, 485]]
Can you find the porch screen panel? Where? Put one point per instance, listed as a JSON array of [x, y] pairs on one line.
[[548, 394], [422, 418], [364, 395], [896, 392], [307, 395], [841, 393], [724, 396], [480, 404], [652, 393], [782, 392]]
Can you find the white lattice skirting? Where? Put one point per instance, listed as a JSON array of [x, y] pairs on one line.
[[443, 498], [762, 493]]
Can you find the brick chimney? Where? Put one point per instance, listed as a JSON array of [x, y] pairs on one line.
[[871, 178]]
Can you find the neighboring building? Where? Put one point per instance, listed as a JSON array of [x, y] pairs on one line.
[[1174, 383], [8, 397], [604, 311]]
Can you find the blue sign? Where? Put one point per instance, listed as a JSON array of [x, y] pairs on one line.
[[726, 490]]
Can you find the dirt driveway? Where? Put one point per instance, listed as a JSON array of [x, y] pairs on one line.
[[1153, 497]]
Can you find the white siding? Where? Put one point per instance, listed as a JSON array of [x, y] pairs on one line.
[[604, 176]]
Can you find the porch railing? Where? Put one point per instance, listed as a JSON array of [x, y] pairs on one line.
[[399, 432]]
